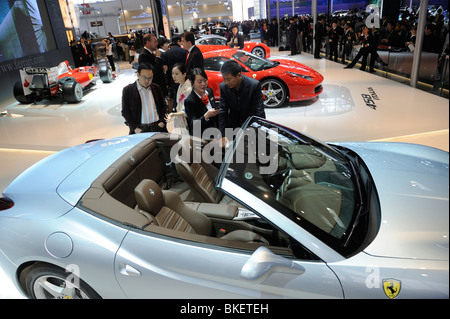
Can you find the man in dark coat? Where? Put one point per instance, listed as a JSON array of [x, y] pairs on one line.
[[293, 33], [319, 33], [147, 56], [240, 97], [83, 53], [273, 31], [194, 58], [333, 36], [176, 54], [143, 105], [235, 40]]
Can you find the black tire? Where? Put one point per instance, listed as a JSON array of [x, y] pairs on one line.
[[259, 51], [274, 93], [49, 282], [106, 74], [19, 95], [72, 91]]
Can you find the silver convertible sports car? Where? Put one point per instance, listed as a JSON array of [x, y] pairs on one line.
[[276, 215]]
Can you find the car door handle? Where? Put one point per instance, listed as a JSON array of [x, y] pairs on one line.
[[263, 262], [128, 270]]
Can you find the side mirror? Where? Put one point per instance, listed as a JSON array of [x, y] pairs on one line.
[[263, 262]]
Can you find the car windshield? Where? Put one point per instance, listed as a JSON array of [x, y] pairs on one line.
[[308, 181], [254, 62]]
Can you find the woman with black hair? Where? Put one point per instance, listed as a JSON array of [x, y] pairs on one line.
[[368, 45], [109, 53], [200, 106], [176, 121]]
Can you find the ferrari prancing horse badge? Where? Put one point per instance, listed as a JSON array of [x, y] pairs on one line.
[[391, 287]]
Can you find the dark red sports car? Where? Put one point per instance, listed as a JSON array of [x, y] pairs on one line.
[[281, 79]]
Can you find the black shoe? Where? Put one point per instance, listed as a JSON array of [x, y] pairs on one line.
[[372, 71], [348, 67]]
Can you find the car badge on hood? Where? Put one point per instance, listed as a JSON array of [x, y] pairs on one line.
[[391, 287]]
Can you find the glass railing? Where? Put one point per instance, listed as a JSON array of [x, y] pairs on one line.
[[397, 65]]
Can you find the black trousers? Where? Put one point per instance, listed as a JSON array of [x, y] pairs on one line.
[[153, 127], [334, 51], [293, 45], [317, 47], [364, 53], [111, 62]]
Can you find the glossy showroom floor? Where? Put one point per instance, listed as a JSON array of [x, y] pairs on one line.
[[29, 133]]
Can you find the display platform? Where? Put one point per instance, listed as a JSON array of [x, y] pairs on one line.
[[354, 106]]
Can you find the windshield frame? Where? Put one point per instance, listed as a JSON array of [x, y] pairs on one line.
[[360, 198]]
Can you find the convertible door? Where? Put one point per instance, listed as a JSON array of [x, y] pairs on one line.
[[156, 266]]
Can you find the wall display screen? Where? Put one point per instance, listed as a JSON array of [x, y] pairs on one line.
[[24, 29]]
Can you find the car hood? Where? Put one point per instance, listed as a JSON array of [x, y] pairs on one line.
[[295, 67], [54, 185], [412, 182]]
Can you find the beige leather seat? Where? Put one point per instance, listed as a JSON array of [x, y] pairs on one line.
[[166, 209], [197, 174]]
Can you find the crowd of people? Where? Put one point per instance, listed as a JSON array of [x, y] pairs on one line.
[[338, 35], [82, 52], [171, 93]]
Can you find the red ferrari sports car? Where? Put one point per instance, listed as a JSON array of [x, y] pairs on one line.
[[208, 43], [281, 79], [40, 82]]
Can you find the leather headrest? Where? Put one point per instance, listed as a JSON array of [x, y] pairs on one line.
[[149, 196]]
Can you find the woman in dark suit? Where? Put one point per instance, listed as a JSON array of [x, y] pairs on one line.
[[200, 106], [368, 45]]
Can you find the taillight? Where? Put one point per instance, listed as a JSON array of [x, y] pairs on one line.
[[5, 203]]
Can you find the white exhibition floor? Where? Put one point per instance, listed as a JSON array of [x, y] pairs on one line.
[[29, 133]]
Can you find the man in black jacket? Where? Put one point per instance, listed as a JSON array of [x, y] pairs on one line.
[[143, 105], [319, 32], [240, 97], [235, 40], [176, 54], [194, 58], [147, 56], [293, 33], [333, 36]]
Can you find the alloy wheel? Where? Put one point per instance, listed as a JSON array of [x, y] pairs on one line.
[[274, 93], [54, 287]]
